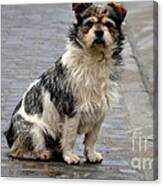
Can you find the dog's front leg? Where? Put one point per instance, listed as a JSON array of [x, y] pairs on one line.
[[68, 140], [90, 139]]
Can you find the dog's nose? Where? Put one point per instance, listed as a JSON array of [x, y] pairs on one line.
[[99, 33]]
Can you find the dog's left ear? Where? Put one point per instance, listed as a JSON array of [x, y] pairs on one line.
[[120, 11], [79, 8]]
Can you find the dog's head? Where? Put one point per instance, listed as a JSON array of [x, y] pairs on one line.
[[96, 25]]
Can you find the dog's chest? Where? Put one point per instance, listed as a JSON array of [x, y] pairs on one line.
[[89, 75], [93, 99]]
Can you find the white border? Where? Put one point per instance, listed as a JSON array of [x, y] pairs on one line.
[[61, 182]]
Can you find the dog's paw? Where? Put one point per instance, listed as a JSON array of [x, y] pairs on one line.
[[94, 157], [45, 155], [71, 159]]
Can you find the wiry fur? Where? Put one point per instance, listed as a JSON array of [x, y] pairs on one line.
[[69, 99]]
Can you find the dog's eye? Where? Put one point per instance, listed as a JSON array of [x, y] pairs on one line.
[[89, 23], [109, 25]]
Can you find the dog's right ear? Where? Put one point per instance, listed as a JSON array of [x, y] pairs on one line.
[[79, 8], [120, 11]]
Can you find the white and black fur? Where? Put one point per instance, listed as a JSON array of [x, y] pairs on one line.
[[69, 99]]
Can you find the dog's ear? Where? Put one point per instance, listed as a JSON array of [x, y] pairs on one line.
[[120, 11], [79, 8]]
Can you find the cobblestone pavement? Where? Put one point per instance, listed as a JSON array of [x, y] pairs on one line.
[[33, 37]]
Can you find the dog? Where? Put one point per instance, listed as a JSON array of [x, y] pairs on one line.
[[74, 95]]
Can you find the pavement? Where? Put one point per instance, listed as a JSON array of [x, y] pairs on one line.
[[33, 37]]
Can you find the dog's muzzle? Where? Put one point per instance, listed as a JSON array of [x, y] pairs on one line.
[[99, 37]]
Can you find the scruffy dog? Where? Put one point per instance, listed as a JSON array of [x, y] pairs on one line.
[[72, 97]]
